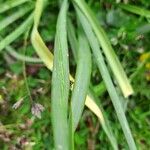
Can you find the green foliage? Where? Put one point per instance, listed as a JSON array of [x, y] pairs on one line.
[[82, 80], [60, 82], [90, 47]]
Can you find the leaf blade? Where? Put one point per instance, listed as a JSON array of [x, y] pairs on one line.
[[60, 82], [82, 80], [10, 19], [16, 33], [10, 4], [135, 9]]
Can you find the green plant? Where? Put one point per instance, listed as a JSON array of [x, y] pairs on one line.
[[67, 102]]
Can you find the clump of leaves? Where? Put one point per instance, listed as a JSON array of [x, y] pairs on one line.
[[89, 38]]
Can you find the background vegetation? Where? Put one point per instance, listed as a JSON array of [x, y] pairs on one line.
[[26, 109]]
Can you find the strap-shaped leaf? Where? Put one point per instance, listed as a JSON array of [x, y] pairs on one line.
[[13, 17], [135, 10], [107, 48], [10, 4], [60, 83], [82, 80], [41, 49], [16, 33], [37, 42], [107, 79], [72, 39], [21, 57]]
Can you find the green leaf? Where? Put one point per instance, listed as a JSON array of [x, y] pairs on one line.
[[13, 17], [136, 10], [71, 131], [16, 33], [21, 57], [107, 48], [72, 38], [37, 42], [10, 4], [82, 80], [60, 82], [107, 79]]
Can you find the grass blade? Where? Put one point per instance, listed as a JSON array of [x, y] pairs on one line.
[[107, 48], [10, 19], [21, 57], [71, 131], [60, 83], [16, 33], [37, 42], [81, 81], [135, 10], [10, 4], [41, 49], [72, 39], [107, 79]]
